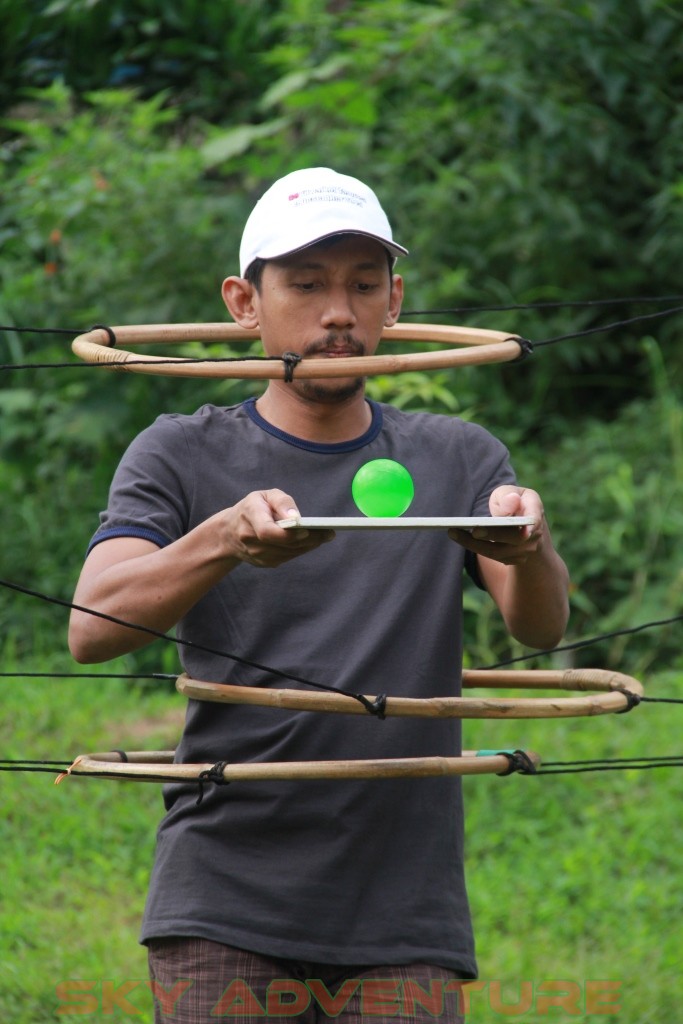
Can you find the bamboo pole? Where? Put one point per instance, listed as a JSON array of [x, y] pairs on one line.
[[613, 696], [158, 766], [480, 347]]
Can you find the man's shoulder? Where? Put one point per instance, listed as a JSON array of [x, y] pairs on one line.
[[433, 423], [205, 418], [176, 435]]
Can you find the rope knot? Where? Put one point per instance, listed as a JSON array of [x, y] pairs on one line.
[[109, 331], [291, 361], [518, 761], [213, 774], [526, 347], [632, 701], [376, 707]]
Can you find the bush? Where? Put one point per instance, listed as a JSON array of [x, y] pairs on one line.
[[512, 179], [614, 499], [107, 219], [210, 55]]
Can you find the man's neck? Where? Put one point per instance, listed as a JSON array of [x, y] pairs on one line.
[[322, 422]]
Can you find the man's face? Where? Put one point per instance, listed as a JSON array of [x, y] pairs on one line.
[[329, 300]]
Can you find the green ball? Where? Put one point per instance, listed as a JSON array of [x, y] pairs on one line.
[[382, 488]]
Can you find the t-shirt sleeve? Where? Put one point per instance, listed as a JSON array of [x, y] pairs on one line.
[[151, 491]]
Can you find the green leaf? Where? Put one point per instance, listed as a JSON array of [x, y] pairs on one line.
[[296, 81], [228, 145]]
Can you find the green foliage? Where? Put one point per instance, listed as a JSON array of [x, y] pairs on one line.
[[208, 54], [622, 539], [105, 215], [614, 499], [538, 163], [106, 220], [417, 391]]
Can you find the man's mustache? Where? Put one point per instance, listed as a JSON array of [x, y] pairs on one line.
[[334, 343]]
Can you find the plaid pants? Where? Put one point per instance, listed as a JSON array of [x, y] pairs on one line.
[[196, 981]]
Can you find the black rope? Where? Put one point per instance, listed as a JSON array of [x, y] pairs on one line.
[[632, 701], [109, 331], [88, 675], [25, 761], [610, 765], [189, 643], [213, 774], [578, 644], [5, 328], [609, 327], [291, 360], [51, 366], [375, 707], [661, 759], [65, 768], [578, 304], [518, 761], [184, 360], [494, 308], [526, 346]]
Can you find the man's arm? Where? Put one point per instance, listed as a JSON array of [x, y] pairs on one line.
[[136, 581], [522, 570]]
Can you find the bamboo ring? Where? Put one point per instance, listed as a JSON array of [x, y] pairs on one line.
[[480, 346], [158, 766], [613, 693]]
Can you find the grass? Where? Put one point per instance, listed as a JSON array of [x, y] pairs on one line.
[[573, 879], [576, 877], [76, 857]]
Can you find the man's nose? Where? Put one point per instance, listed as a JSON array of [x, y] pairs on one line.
[[338, 310]]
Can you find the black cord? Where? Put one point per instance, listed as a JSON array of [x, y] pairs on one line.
[[375, 709]]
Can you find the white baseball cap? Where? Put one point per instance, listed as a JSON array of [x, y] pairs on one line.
[[308, 205]]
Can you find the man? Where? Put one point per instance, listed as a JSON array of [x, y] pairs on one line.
[[346, 896]]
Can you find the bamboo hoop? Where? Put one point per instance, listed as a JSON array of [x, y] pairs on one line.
[[480, 346], [158, 766], [613, 692]]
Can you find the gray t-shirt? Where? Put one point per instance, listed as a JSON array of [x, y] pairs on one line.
[[343, 872]]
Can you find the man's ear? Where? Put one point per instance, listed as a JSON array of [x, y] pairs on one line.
[[395, 300], [238, 295]]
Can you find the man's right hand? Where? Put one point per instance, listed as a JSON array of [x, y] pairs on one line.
[[251, 531]]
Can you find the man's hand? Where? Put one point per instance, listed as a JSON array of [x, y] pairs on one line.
[[521, 569], [511, 546], [251, 534]]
